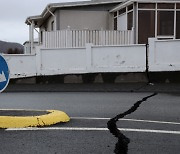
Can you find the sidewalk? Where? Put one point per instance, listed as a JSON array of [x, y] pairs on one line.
[[120, 87]]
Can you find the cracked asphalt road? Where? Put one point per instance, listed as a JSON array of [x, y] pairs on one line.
[[123, 141], [91, 112]]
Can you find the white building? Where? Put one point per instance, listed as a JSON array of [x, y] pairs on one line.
[[149, 18], [27, 46], [133, 21], [102, 36]]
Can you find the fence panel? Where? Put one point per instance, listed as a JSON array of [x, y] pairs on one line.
[[164, 55]]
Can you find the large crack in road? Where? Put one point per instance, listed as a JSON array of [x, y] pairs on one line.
[[121, 146]]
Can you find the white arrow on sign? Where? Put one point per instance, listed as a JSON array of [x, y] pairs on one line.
[[2, 77]]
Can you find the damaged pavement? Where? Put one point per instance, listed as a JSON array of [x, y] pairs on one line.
[[123, 141], [151, 125]]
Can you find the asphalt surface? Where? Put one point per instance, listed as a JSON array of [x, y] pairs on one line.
[[153, 128], [82, 142], [120, 87]]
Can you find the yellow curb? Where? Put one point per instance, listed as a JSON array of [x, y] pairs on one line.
[[53, 117]]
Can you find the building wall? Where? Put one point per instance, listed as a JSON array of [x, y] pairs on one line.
[[93, 20], [111, 21], [27, 47], [92, 17]]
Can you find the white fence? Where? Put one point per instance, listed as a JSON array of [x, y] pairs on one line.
[[93, 59], [90, 59], [79, 38], [164, 55], [21, 65]]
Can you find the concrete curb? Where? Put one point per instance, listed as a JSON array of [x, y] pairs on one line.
[[53, 117]]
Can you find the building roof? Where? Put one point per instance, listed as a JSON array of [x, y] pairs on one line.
[[53, 6], [128, 2]]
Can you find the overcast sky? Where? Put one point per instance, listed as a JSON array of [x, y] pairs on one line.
[[13, 14]]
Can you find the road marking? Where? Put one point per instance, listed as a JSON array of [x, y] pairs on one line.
[[134, 120], [2, 77], [93, 129]]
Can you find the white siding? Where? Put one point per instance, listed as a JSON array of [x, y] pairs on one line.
[[92, 20]]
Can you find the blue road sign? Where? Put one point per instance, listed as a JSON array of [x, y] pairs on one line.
[[4, 74]]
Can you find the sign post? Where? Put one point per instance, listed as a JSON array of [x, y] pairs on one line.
[[4, 74]]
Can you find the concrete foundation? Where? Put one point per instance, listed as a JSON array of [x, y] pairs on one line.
[[153, 77]]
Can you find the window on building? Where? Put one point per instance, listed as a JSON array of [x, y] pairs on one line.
[[178, 24], [146, 25], [130, 20], [115, 20], [122, 11], [52, 25], [115, 23], [146, 5], [165, 6], [41, 36], [177, 5], [130, 17], [130, 7], [165, 23]]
